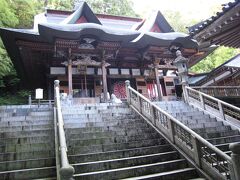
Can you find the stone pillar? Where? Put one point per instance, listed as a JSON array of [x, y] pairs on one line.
[[104, 80], [235, 148], [70, 89]]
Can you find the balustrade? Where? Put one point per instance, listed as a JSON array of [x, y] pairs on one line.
[[206, 156]]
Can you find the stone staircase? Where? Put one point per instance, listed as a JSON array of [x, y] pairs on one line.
[[26, 143], [112, 142], [208, 126]]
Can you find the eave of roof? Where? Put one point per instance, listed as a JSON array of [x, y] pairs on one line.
[[222, 66], [202, 25]]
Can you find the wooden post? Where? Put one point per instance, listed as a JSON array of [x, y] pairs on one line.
[[70, 90], [104, 79], [158, 84]]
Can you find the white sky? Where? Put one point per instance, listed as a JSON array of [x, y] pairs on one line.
[[192, 9]]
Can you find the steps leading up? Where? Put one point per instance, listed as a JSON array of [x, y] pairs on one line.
[[27, 143], [216, 132], [112, 142]]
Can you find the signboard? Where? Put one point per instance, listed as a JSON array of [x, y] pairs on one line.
[[57, 70], [39, 93]]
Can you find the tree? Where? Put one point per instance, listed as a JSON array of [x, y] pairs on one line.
[[123, 7], [218, 57]]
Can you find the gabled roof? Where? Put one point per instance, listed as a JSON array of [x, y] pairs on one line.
[[156, 18], [83, 10]]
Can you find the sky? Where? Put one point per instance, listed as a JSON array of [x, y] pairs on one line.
[[192, 9]]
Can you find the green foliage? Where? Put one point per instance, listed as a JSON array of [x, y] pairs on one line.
[[8, 17], [178, 22], [24, 11], [60, 4], [218, 57], [5, 62], [123, 7], [10, 99]]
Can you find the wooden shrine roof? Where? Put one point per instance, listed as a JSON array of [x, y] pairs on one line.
[[221, 29]]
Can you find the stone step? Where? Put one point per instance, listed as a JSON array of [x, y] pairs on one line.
[[27, 164], [26, 118], [105, 116], [194, 121], [196, 117], [115, 146], [188, 113], [220, 134], [223, 140], [24, 128], [111, 140], [26, 133], [92, 130], [27, 147], [212, 129], [25, 123], [11, 156], [124, 162], [28, 140], [107, 111], [105, 127], [88, 157], [41, 113], [97, 106], [101, 119], [206, 125], [33, 173], [185, 173], [119, 123], [100, 134], [223, 147], [134, 170]]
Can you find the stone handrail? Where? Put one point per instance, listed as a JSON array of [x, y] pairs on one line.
[[219, 91], [66, 170], [213, 161], [215, 106]]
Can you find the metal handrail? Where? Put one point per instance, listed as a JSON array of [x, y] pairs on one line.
[[204, 154], [66, 170]]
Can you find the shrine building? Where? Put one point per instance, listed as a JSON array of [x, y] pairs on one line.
[[93, 54]]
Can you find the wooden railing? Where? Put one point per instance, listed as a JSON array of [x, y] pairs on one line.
[[64, 169], [213, 105], [219, 91], [213, 161]]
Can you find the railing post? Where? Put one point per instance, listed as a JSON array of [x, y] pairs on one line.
[[235, 148], [221, 110], [171, 129], [140, 103], [127, 84], [153, 112], [202, 100], [197, 151], [30, 100], [185, 93]]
